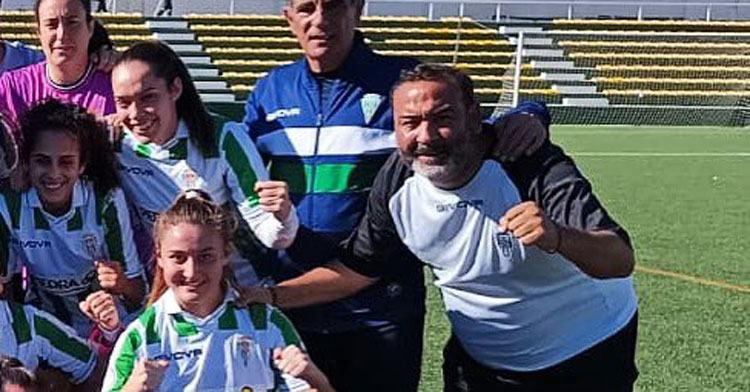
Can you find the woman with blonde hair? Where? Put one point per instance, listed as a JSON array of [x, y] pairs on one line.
[[193, 336]]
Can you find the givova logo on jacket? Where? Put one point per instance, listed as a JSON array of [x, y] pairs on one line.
[[282, 113]]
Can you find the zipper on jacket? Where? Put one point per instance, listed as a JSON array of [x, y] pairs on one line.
[[318, 125]]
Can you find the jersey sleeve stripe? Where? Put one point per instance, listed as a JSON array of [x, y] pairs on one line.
[[76, 222], [142, 150], [288, 332], [183, 327], [240, 165], [258, 315], [5, 236], [61, 341], [125, 361], [20, 323], [13, 201], [228, 319], [148, 320], [40, 222], [180, 150], [113, 233]]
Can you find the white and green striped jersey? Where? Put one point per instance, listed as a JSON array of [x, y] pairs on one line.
[[228, 350], [153, 175], [34, 336], [59, 252]]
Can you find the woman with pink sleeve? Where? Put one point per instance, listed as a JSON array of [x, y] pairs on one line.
[[65, 29]]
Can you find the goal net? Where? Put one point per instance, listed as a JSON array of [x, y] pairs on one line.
[[627, 77]]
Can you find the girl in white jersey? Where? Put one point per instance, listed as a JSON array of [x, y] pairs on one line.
[[193, 337], [169, 144], [70, 227]]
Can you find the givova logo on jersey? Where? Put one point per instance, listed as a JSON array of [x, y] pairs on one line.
[[31, 243], [179, 355], [135, 170], [448, 207]]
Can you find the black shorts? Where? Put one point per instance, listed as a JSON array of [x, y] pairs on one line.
[[607, 366], [387, 359]]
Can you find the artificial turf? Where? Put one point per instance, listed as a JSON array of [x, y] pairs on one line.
[[684, 196]]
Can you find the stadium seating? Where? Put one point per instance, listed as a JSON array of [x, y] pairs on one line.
[[569, 62], [660, 62], [246, 47]]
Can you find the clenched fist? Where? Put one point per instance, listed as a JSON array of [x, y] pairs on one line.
[[100, 307], [274, 198], [111, 276], [527, 222]]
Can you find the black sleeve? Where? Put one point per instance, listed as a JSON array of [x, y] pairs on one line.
[[375, 243], [551, 179]]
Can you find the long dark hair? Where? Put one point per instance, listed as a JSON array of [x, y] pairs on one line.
[[166, 65], [92, 136]]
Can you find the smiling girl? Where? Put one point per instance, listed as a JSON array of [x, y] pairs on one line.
[[169, 144], [70, 228], [193, 337]]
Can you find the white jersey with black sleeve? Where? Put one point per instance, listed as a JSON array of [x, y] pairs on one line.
[[228, 350], [59, 251], [33, 336], [511, 306]]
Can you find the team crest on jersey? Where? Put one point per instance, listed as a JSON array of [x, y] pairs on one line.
[[189, 178], [245, 347], [89, 245], [370, 104], [504, 242]]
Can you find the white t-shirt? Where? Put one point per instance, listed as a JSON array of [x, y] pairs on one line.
[[228, 350], [512, 307], [32, 335], [60, 252]]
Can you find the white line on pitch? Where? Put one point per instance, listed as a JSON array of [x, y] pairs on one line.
[[660, 154]]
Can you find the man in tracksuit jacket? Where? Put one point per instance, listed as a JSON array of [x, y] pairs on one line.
[[325, 126]]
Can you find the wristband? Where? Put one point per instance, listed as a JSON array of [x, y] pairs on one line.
[[110, 336]]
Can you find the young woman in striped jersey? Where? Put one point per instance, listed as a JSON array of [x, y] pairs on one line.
[[193, 337], [33, 337], [70, 227], [169, 143]]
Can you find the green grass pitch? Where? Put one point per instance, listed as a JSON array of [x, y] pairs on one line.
[[684, 196]]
